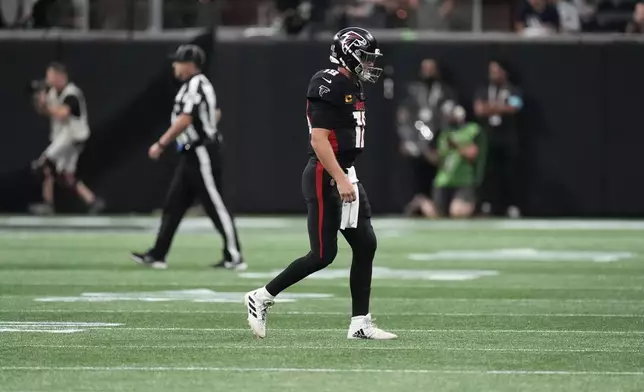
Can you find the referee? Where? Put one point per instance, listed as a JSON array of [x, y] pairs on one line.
[[198, 175]]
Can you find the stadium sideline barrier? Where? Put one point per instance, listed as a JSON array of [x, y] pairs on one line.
[[580, 129]]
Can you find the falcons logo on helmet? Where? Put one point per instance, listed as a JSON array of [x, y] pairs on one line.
[[351, 39]]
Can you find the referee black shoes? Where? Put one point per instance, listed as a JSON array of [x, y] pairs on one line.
[[231, 265], [147, 260]]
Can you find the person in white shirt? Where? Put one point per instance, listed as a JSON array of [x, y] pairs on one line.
[[568, 16], [64, 103], [14, 13], [537, 18]]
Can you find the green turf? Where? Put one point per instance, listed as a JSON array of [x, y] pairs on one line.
[[549, 325]]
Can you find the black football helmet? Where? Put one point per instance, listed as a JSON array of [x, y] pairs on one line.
[[356, 49]]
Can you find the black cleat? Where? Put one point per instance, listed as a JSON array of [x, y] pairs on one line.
[[96, 207], [147, 260]]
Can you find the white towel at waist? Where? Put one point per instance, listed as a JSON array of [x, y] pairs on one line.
[[350, 210]]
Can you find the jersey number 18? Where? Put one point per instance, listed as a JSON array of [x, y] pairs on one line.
[[361, 121]]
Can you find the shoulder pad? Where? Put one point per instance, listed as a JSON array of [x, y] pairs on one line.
[[328, 86]]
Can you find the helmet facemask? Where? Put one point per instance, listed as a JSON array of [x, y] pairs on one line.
[[366, 70]]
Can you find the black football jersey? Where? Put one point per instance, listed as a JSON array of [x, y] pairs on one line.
[[337, 103]]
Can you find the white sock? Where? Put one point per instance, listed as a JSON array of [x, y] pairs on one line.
[[358, 320], [264, 294]]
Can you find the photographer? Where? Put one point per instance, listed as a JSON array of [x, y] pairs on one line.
[[63, 102], [460, 158], [420, 120]]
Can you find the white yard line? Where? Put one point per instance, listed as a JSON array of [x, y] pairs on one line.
[[420, 284], [315, 370], [296, 313], [59, 323], [83, 223], [442, 299], [505, 300], [314, 347], [519, 331]]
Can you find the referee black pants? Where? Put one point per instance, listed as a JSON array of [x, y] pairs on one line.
[[324, 217], [197, 177]]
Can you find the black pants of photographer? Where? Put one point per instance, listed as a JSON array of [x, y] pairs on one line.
[[501, 183], [424, 173]]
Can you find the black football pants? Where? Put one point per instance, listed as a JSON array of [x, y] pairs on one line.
[[197, 177], [324, 215]]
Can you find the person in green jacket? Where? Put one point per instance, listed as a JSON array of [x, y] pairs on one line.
[[460, 159]]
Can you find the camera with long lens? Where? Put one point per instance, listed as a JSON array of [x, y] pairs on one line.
[[36, 86]]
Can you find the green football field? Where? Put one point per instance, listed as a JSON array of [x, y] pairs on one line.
[[479, 306]]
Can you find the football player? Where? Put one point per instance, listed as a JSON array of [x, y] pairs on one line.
[[336, 200]]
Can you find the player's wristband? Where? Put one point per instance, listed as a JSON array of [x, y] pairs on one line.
[[161, 145]]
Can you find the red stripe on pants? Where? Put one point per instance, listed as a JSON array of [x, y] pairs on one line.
[[319, 179]]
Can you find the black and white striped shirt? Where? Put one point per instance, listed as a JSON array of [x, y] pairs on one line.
[[196, 98]]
